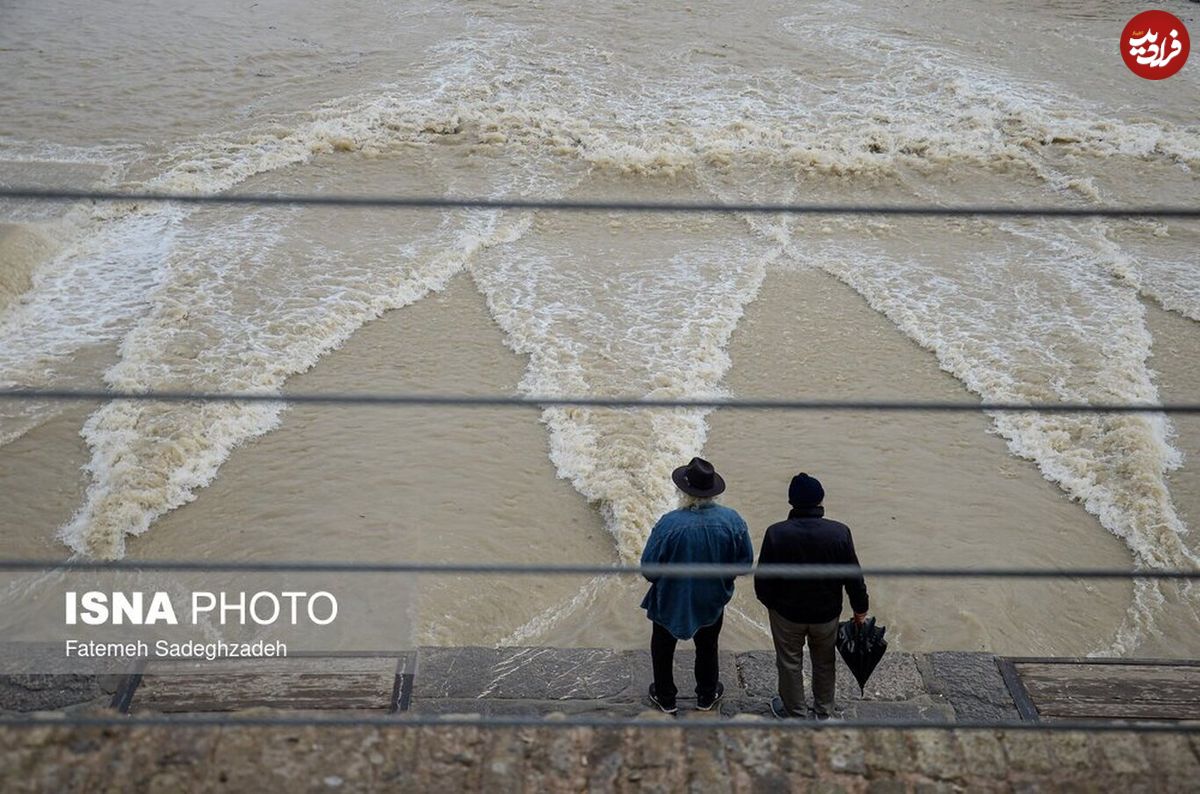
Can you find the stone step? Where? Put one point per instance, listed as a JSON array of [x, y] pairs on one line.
[[296, 683], [502, 681]]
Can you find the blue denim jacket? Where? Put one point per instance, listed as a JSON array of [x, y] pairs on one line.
[[708, 534]]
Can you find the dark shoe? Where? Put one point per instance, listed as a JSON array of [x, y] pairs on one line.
[[706, 703], [667, 707], [777, 708]]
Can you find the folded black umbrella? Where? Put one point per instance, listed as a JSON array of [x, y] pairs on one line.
[[861, 648]]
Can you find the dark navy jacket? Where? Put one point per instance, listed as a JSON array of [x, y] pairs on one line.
[[808, 538]]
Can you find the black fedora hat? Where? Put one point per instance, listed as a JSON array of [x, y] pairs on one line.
[[698, 478]]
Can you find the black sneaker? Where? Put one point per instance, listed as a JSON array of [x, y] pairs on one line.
[[706, 703], [663, 705]]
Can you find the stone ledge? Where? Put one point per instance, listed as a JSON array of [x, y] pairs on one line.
[[48, 692], [535, 680], [896, 677], [944, 686], [971, 683]]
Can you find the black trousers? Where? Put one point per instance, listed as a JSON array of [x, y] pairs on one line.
[[662, 654]]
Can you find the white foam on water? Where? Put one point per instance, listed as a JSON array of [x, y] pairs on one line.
[[22, 247], [87, 296], [1048, 327], [263, 315], [653, 328], [984, 112], [1159, 262], [221, 310]]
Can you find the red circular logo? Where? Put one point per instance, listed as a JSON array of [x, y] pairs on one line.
[[1155, 45]]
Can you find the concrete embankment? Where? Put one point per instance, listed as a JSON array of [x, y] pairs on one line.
[[389, 699]]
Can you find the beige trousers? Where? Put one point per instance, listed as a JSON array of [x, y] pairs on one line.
[[789, 640]]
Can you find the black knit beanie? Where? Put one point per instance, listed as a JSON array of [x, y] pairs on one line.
[[805, 491]]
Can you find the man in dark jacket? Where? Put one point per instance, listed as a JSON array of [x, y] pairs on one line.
[[807, 608]]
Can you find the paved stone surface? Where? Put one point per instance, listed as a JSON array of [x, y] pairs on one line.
[[523, 673], [48, 692], [666, 759], [685, 676], [970, 683], [295, 683], [601, 682], [896, 677], [527, 707], [550, 674], [919, 710]]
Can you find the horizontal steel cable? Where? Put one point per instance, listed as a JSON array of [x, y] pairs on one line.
[[466, 202], [402, 720], [668, 571], [506, 401]]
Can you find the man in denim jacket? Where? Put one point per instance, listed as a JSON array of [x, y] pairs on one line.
[[700, 531]]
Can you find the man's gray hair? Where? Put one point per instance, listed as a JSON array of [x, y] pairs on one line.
[[689, 502]]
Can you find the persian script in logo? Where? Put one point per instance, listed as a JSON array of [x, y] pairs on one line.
[[1155, 45]]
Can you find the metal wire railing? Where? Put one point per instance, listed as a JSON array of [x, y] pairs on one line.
[[559, 722], [569, 205], [665, 571], [548, 401]]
